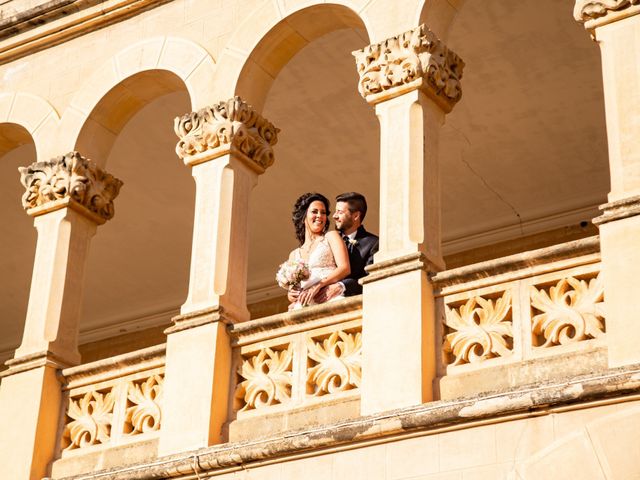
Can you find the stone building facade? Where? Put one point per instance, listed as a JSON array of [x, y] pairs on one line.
[[143, 334]]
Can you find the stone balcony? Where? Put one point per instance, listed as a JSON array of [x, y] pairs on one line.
[[505, 327]]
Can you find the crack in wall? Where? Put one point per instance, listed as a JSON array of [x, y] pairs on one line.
[[486, 184]]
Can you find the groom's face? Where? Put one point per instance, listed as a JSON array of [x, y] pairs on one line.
[[343, 218]]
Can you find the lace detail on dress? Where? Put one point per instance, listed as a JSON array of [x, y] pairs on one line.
[[321, 261]]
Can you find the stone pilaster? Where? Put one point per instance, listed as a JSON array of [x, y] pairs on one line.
[[228, 146], [413, 80], [615, 25], [68, 196]]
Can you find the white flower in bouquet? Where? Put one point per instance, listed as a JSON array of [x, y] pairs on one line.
[[292, 273]]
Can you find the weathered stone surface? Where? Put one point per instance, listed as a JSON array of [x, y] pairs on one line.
[[625, 208]]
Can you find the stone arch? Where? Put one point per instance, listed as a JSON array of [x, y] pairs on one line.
[[270, 37], [131, 78], [27, 122], [439, 15], [26, 117]]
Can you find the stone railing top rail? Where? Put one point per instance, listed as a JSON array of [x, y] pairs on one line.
[[512, 267], [330, 313], [114, 367]]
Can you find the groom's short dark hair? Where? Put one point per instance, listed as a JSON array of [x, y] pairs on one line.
[[356, 202]]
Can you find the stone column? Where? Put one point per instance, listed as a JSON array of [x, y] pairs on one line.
[[227, 147], [68, 197], [615, 25], [413, 80]]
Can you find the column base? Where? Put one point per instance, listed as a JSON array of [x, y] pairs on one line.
[[398, 365], [30, 405], [197, 375], [619, 240]]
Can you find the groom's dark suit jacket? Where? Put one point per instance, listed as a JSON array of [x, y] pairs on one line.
[[360, 255]]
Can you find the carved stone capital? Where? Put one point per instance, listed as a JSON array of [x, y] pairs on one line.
[[595, 12], [69, 179], [414, 59], [215, 130]]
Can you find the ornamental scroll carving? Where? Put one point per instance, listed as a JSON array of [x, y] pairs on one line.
[[268, 377], [414, 55], [586, 10], [482, 329], [231, 123], [144, 405], [570, 311], [91, 416], [70, 176], [336, 363]]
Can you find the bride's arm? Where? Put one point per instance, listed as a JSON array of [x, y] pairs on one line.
[[292, 295], [341, 257]]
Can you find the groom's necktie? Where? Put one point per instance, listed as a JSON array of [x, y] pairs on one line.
[[347, 242]]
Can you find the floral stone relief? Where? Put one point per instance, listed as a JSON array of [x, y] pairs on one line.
[[268, 377], [409, 57], [231, 123], [569, 311], [70, 176], [336, 363], [91, 417], [481, 328]]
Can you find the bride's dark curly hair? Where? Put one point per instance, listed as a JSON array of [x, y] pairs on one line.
[[300, 212]]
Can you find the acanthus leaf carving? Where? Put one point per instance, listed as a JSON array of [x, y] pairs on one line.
[[268, 378], [91, 417], [232, 123], [337, 363], [568, 312], [408, 57], [586, 10], [144, 411], [70, 176], [482, 329]]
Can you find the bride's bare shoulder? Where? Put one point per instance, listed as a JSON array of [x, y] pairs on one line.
[[332, 235]]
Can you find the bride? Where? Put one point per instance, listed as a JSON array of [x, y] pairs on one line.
[[324, 252]]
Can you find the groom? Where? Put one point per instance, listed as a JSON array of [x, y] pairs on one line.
[[351, 208]]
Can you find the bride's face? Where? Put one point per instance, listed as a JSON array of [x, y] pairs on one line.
[[316, 217]]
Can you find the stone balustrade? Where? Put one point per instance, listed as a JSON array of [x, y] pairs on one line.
[[502, 325], [111, 405], [296, 368], [533, 309]]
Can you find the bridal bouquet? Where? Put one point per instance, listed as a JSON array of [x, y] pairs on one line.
[[292, 273]]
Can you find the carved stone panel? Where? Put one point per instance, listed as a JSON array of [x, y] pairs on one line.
[[335, 363], [417, 59], [144, 405], [569, 311], [479, 329], [89, 420], [267, 379], [70, 176]]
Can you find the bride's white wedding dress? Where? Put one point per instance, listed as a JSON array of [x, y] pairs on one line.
[[321, 263]]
